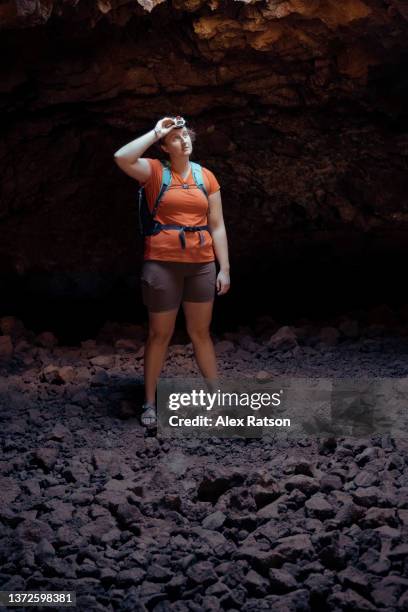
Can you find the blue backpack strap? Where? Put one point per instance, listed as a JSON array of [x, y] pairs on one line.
[[197, 173], [166, 180]]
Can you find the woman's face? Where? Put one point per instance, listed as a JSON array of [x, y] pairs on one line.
[[178, 142]]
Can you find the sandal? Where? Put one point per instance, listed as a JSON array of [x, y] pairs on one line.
[[149, 414]]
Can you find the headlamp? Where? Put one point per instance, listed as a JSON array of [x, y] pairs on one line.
[[179, 121]]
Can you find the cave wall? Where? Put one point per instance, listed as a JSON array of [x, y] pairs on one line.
[[299, 107]]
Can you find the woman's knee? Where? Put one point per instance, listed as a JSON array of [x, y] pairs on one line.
[[161, 326], [160, 335], [198, 332]]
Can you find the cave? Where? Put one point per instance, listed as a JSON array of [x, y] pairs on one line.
[[300, 111]]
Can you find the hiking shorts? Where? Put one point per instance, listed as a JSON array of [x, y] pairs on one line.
[[165, 284]]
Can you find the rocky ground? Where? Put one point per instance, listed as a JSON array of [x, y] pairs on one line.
[[94, 503]]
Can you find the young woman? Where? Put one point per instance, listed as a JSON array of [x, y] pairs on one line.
[[179, 266]]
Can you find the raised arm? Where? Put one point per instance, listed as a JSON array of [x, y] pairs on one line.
[[129, 157]]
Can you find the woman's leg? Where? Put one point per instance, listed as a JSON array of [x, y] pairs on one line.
[[162, 287], [198, 318], [161, 327]]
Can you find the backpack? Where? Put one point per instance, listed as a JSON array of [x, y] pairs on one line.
[[149, 226]]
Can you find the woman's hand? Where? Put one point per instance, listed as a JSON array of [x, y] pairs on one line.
[[164, 126], [223, 282]]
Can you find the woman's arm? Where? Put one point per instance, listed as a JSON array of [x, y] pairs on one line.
[[129, 157], [219, 237]]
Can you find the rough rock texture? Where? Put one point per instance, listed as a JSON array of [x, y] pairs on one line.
[[129, 521], [300, 110]]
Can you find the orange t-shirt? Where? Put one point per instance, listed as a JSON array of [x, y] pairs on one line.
[[182, 207]]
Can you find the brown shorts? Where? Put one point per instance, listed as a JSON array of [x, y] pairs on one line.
[[165, 284]]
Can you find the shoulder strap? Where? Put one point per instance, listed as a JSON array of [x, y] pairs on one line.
[[166, 180], [197, 173]]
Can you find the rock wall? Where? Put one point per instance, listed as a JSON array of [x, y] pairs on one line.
[[299, 106]]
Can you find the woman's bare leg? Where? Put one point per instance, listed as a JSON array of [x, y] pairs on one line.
[[161, 328], [198, 319]]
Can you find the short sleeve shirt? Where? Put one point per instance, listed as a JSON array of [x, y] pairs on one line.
[[179, 206]]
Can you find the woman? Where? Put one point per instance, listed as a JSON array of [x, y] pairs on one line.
[[171, 273]]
